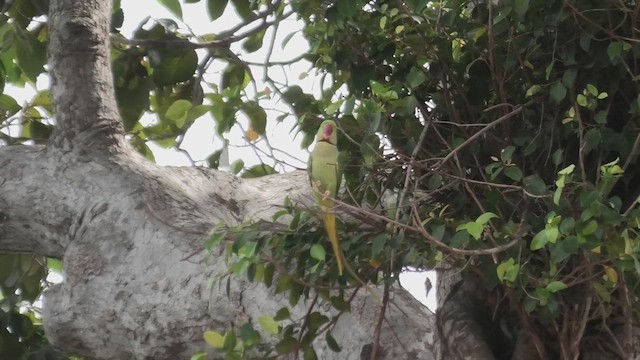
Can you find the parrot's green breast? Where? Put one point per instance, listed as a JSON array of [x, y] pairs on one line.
[[324, 167]]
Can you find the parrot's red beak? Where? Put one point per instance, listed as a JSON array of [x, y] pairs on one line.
[[326, 134]]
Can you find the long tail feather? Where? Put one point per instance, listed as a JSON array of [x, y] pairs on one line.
[[330, 227]]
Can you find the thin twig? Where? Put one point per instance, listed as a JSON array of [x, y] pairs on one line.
[[465, 252], [517, 110], [378, 331], [304, 323]]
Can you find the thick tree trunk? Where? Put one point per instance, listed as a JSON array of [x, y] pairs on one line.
[[127, 229]]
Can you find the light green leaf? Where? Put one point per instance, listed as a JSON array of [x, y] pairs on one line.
[[383, 22], [556, 286], [484, 218], [590, 228], [581, 100], [473, 228], [542, 238], [317, 252], [214, 339], [199, 356], [178, 109], [568, 170], [533, 90], [508, 270], [269, 324]]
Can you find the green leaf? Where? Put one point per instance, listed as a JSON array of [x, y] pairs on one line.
[[508, 270], [513, 172], [556, 286], [317, 252], [54, 264], [534, 185], [8, 105], [332, 343], [484, 218], [30, 55], [533, 90], [254, 42], [214, 339], [590, 228], [249, 335], [173, 6], [229, 340], [416, 77], [473, 228], [269, 325], [521, 6], [178, 110], [542, 238], [199, 356], [507, 153], [215, 8], [613, 50], [567, 170], [237, 166], [257, 171], [347, 8], [257, 116], [287, 345], [558, 92], [170, 67], [309, 354], [315, 320], [502, 14], [243, 9], [581, 100], [282, 314]]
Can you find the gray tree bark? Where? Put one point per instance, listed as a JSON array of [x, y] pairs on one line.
[[126, 228]]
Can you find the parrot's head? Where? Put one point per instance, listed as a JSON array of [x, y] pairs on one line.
[[327, 132]]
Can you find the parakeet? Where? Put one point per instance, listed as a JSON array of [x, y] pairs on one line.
[[325, 177]]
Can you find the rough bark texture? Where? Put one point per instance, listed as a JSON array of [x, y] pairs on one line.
[[126, 228]]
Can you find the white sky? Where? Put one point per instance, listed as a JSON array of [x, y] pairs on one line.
[[201, 140]]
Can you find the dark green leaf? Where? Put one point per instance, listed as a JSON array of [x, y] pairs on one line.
[[229, 340], [243, 9], [535, 185], [215, 8], [173, 6], [521, 7], [332, 343], [31, 55], [558, 92], [254, 42], [287, 345], [170, 67]]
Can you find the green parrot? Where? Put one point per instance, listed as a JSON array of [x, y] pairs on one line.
[[325, 177]]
